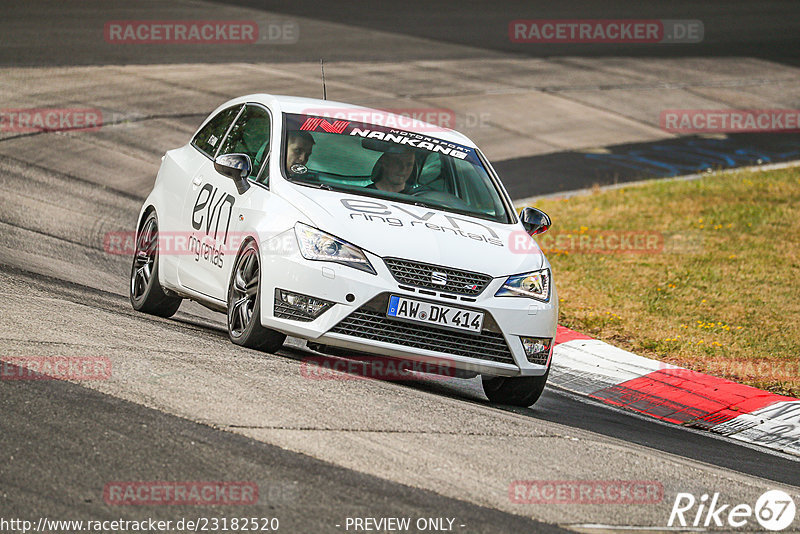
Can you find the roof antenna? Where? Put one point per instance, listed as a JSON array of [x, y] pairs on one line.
[[324, 90]]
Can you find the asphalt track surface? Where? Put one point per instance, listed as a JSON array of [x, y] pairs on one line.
[[573, 170], [731, 29], [184, 404], [477, 29], [465, 51], [53, 477]]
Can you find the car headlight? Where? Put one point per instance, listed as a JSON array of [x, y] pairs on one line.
[[317, 245], [535, 285]]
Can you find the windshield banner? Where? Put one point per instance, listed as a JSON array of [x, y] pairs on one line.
[[378, 132]]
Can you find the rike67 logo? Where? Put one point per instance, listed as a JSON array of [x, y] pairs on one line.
[[774, 510]]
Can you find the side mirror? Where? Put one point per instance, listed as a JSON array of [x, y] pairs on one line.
[[237, 167], [535, 221]]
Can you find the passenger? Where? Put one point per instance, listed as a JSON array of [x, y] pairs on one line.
[[299, 146]]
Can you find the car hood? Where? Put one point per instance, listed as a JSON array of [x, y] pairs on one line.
[[395, 229]]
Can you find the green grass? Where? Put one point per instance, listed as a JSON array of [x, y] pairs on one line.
[[723, 294]]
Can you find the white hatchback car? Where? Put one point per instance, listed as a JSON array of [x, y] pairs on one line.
[[356, 230]]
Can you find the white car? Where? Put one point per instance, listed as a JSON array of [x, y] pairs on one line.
[[357, 230]]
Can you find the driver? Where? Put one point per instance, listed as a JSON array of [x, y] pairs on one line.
[[392, 172]]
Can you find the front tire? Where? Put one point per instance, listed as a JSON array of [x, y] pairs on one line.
[[244, 304], [145, 291], [514, 391]]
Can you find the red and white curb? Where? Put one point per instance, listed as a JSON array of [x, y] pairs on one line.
[[594, 368]]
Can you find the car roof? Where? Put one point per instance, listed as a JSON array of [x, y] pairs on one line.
[[333, 109]]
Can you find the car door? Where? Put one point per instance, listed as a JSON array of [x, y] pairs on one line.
[[179, 167], [210, 207]]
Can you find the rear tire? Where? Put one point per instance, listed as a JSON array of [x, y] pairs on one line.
[[514, 391], [244, 304], [145, 291]]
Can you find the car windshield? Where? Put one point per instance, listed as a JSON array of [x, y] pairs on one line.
[[384, 162]]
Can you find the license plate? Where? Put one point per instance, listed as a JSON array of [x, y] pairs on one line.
[[435, 314]]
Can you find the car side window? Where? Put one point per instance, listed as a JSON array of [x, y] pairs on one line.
[[250, 135], [210, 136]]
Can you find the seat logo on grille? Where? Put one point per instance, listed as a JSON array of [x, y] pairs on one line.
[[439, 278]]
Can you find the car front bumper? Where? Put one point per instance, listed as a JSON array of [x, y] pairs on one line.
[[357, 320]]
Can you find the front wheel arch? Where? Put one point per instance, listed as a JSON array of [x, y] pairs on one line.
[[253, 335], [246, 241], [145, 213]]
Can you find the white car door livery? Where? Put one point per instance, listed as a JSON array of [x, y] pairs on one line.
[[179, 168], [209, 210]]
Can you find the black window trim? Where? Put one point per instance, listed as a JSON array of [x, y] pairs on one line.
[[253, 178]]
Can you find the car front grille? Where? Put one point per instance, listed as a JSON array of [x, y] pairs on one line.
[[422, 275], [373, 325]]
